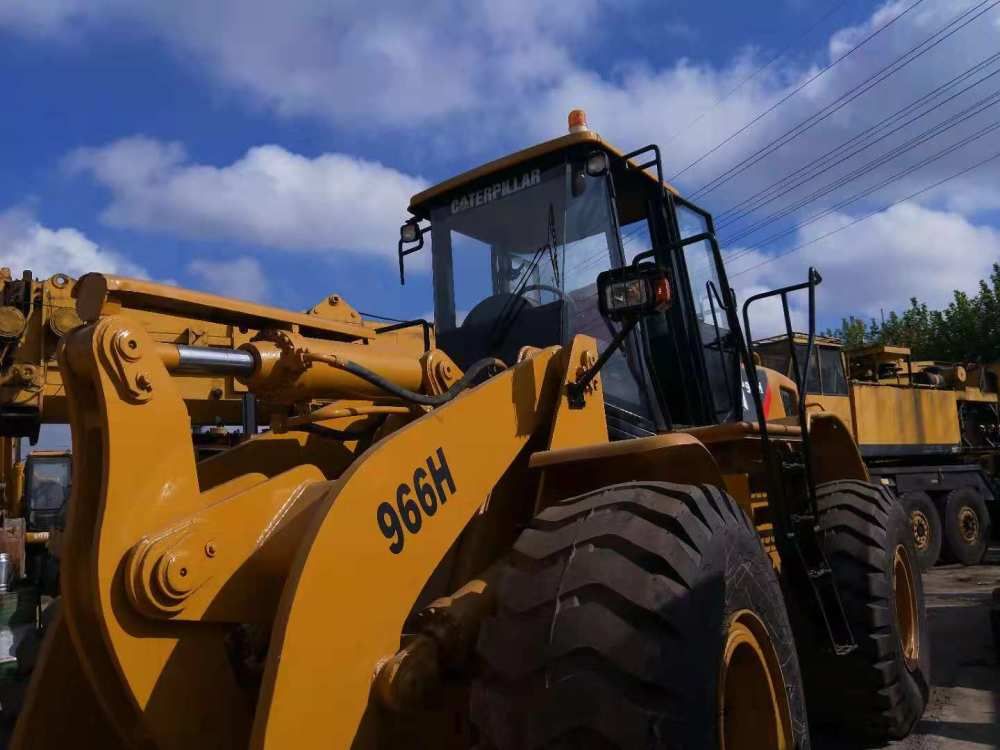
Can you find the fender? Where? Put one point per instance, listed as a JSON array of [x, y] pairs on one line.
[[673, 457], [835, 454]]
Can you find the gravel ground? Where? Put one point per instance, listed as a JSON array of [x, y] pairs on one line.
[[964, 709]]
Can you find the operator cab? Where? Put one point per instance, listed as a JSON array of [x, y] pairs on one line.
[[516, 249], [46, 488]]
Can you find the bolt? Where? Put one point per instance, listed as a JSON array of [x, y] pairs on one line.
[[333, 299], [210, 549], [128, 345], [215, 393], [143, 383]]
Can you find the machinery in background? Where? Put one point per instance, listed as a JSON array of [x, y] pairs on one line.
[[929, 430]]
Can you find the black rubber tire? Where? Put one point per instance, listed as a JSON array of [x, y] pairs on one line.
[[956, 547], [869, 696], [613, 610], [932, 530]]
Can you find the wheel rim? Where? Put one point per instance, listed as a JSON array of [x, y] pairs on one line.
[[753, 704], [921, 530], [968, 524], [907, 620]]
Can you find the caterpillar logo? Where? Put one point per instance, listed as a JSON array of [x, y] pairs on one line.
[[496, 190]]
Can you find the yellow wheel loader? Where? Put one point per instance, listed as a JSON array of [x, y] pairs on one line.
[[573, 514]]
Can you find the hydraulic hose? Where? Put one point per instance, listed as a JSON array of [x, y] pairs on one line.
[[477, 369]]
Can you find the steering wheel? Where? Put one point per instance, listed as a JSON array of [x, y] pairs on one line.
[[510, 305]]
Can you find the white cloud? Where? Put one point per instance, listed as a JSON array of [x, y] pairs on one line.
[[877, 265], [25, 244], [241, 278], [394, 62], [270, 197]]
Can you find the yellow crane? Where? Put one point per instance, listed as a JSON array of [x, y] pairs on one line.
[[928, 430]]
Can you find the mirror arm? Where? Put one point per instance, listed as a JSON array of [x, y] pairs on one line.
[[575, 390]]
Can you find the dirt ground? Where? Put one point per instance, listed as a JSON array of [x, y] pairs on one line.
[[964, 709]]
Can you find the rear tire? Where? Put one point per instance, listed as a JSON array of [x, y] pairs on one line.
[[879, 691], [635, 617], [966, 526], [925, 523]]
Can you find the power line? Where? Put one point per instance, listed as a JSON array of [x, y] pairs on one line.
[[931, 133], [867, 216], [850, 95], [757, 71], [834, 155], [895, 178], [798, 88]]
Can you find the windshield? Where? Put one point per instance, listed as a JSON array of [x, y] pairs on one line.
[[516, 264], [47, 488], [826, 368], [49, 484]]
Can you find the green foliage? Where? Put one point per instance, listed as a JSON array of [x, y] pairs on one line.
[[968, 330]]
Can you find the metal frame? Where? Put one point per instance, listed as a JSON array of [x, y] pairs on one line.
[[409, 324], [796, 533]]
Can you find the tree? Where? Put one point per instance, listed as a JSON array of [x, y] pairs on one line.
[[967, 330], [852, 332]]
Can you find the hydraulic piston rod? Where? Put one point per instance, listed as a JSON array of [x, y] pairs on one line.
[[295, 369], [207, 360]]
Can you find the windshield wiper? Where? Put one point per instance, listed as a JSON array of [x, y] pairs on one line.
[[516, 303]]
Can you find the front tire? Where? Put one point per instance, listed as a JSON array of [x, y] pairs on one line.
[[643, 615], [879, 691]]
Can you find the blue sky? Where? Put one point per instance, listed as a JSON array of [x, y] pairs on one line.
[[268, 152]]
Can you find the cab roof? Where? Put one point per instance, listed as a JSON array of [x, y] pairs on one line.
[[799, 338], [420, 204]]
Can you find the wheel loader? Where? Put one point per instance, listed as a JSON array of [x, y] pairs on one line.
[[575, 513], [35, 315]]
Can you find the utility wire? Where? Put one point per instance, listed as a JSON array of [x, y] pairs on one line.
[[835, 155], [850, 95], [798, 88], [921, 138], [756, 72], [888, 181], [867, 216]]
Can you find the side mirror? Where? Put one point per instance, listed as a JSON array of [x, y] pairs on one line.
[[632, 292]]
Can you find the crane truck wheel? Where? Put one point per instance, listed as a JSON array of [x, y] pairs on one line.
[[925, 522], [966, 526], [877, 692], [642, 615]]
